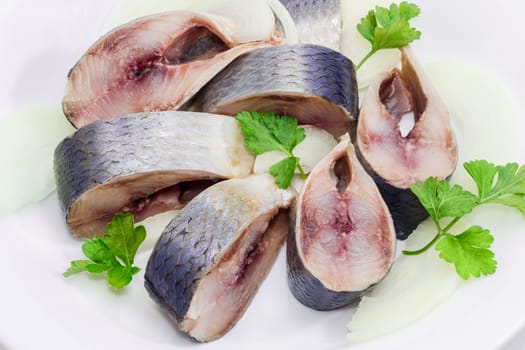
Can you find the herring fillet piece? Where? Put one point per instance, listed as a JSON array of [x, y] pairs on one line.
[[153, 63], [317, 21], [398, 156], [342, 239], [310, 82], [146, 163], [212, 257]]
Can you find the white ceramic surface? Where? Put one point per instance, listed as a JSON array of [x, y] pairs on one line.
[[39, 309]]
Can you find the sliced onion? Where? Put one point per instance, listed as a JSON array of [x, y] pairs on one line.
[[287, 22], [28, 139], [414, 286]]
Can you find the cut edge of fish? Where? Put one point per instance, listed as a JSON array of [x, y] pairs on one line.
[[311, 281]]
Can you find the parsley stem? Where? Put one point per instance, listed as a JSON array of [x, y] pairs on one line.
[[368, 55], [301, 171], [441, 232], [425, 248], [451, 223]]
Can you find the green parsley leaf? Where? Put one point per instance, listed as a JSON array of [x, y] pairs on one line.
[[266, 132], [407, 11], [469, 252], [499, 184], [367, 26], [120, 276], [77, 266], [387, 28], [114, 253], [123, 238], [441, 200], [283, 171], [483, 173], [516, 201], [97, 250]]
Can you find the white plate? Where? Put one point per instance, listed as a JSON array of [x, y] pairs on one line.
[[41, 309]]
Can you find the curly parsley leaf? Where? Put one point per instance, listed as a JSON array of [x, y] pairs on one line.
[[469, 252], [389, 28], [266, 132], [114, 253]]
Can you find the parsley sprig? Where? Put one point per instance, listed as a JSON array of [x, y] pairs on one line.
[[266, 132], [114, 253], [389, 28], [469, 250]]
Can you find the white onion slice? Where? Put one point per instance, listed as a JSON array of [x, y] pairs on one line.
[[28, 139], [414, 286], [287, 22]]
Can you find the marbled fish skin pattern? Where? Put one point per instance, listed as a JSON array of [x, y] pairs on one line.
[[317, 21], [202, 232], [306, 70], [148, 142]]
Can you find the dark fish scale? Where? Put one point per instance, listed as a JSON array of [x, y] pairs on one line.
[[205, 231], [186, 231], [406, 209], [145, 143], [317, 21], [309, 290], [306, 70]]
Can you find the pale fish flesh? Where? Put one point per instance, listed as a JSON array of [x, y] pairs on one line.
[[404, 135], [211, 259], [342, 240], [153, 63]]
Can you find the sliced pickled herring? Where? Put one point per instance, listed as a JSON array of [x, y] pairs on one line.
[[146, 163], [211, 259], [404, 135], [342, 239], [312, 83], [155, 63]]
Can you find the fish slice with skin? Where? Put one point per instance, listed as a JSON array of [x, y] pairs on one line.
[[153, 63], [312, 83], [212, 257], [342, 240], [318, 21], [398, 154], [146, 163]]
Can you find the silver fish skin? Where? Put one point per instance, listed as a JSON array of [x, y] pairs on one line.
[[315, 84], [342, 239], [153, 63], [212, 257], [317, 21], [146, 163], [396, 160]]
